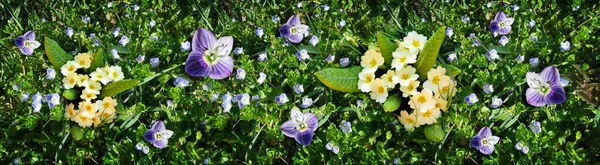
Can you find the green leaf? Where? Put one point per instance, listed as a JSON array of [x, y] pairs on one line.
[[344, 80], [427, 56], [453, 69], [392, 103], [77, 132], [57, 56], [387, 47], [71, 94], [97, 61], [434, 132], [114, 88]]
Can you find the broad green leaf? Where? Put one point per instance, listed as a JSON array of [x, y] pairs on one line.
[[114, 88], [57, 56], [453, 69], [344, 80], [71, 94], [427, 56], [434, 132], [392, 103], [77, 132], [386, 46], [323, 119], [97, 61]]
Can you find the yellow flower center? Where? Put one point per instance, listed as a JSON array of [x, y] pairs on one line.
[[71, 68], [427, 114], [369, 78], [389, 78], [416, 43], [380, 89], [421, 99], [435, 80], [115, 75], [410, 87], [71, 81], [405, 76], [106, 104], [409, 120], [89, 95], [444, 89], [401, 59], [373, 63]]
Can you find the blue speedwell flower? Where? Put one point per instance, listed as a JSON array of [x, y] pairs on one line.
[[209, 56], [534, 62], [181, 82], [465, 19], [151, 24], [140, 58], [294, 30], [50, 74], [155, 62], [501, 24], [226, 106], [243, 100], [124, 40], [298, 88], [37, 106], [521, 147], [341, 24], [492, 55], [185, 46], [346, 127], [531, 23], [226, 97], [214, 96], [261, 78], [69, 32], [449, 32], [281, 99], [544, 88], [24, 96], [330, 58], [115, 32], [535, 126], [471, 99], [333, 148], [452, 57], [241, 74], [496, 102], [519, 59], [115, 54], [158, 135], [141, 147], [345, 62], [262, 57], [85, 19], [313, 40], [306, 102], [503, 40], [564, 82], [275, 19], [27, 43], [259, 32], [52, 99], [565, 46], [484, 141], [488, 88], [300, 126], [238, 50], [302, 55], [533, 38]]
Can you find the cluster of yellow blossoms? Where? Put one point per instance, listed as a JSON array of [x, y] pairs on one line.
[[90, 112]]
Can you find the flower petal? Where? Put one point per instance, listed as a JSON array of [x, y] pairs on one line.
[[296, 115], [20, 41], [158, 126], [149, 135], [294, 20], [476, 142], [535, 98], [167, 134], [161, 143], [494, 26], [29, 35], [289, 128], [311, 121], [500, 16], [550, 74], [487, 149], [296, 37], [494, 140], [195, 65], [485, 132], [533, 79], [557, 95], [203, 39], [504, 30], [284, 30], [226, 43], [305, 137], [222, 69]]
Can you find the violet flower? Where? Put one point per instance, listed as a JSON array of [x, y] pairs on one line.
[[27, 43], [294, 30], [545, 88], [301, 127], [501, 24], [484, 141], [158, 135], [209, 56]]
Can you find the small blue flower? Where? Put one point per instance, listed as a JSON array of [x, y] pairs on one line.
[[503, 40], [531, 23], [313, 40], [302, 55], [206, 161], [306, 102], [37, 106], [226, 97], [206, 86], [140, 58], [52, 99], [37, 97], [214, 96], [564, 82], [158, 135], [471, 99], [330, 59], [335, 149], [515, 7], [396, 161], [345, 62], [452, 57], [476, 43], [576, 8], [471, 35], [534, 62], [24, 96], [533, 38], [259, 32], [241, 74], [341, 24], [521, 147], [565, 46], [255, 98], [346, 127], [275, 19], [536, 127], [465, 19], [238, 50], [115, 32], [325, 7], [485, 141], [154, 61], [281, 99], [261, 78], [124, 40], [141, 147], [262, 57], [85, 19], [96, 43], [135, 7], [496, 102], [109, 5], [519, 59], [243, 100], [153, 38], [69, 32], [16, 161], [449, 32], [50, 74], [226, 106], [492, 55], [152, 24], [115, 54], [92, 35], [16, 86], [488, 88], [181, 82], [298, 88], [185, 46]]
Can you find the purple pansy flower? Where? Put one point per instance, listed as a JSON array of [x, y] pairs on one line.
[[484, 141], [294, 30], [158, 135], [209, 56], [27, 43], [545, 88], [300, 126], [501, 24]]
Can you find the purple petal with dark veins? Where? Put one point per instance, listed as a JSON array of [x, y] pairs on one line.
[[158, 126], [296, 38], [305, 137], [557, 95], [485, 132], [222, 69], [161, 143], [203, 40], [500, 16], [20, 41], [196, 66], [149, 135], [29, 35], [285, 30], [294, 20], [494, 26], [535, 98], [476, 142], [289, 128], [550, 74], [487, 149], [312, 121]]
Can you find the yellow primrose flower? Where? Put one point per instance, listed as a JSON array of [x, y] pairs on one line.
[[378, 91], [82, 120], [403, 48], [100, 75], [389, 80], [423, 100], [415, 41], [409, 121], [88, 95], [114, 73], [365, 78], [441, 104], [97, 121], [84, 60], [92, 86], [371, 60], [108, 102], [69, 67], [428, 116], [410, 89], [70, 111], [402, 58], [70, 80], [446, 90], [83, 78], [405, 75], [435, 77]]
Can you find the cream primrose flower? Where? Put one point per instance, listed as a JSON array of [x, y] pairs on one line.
[[414, 40], [428, 116], [403, 47], [97, 121], [84, 60], [389, 80], [88, 95], [446, 90], [441, 103], [69, 67], [423, 100], [106, 103], [87, 112], [100, 75], [70, 80], [410, 89], [434, 78], [371, 60], [115, 73], [402, 58], [83, 78], [365, 78], [378, 91], [405, 75], [409, 121], [70, 111], [92, 86]]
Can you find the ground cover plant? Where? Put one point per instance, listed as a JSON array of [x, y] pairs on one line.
[[300, 82]]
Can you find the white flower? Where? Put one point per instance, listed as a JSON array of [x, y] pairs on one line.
[[415, 40], [389, 80], [114, 73], [378, 91], [423, 100], [70, 80], [93, 86], [410, 89], [69, 67], [402, 58], [365, 79], [371, 60], [405, 75], [100, 75]]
